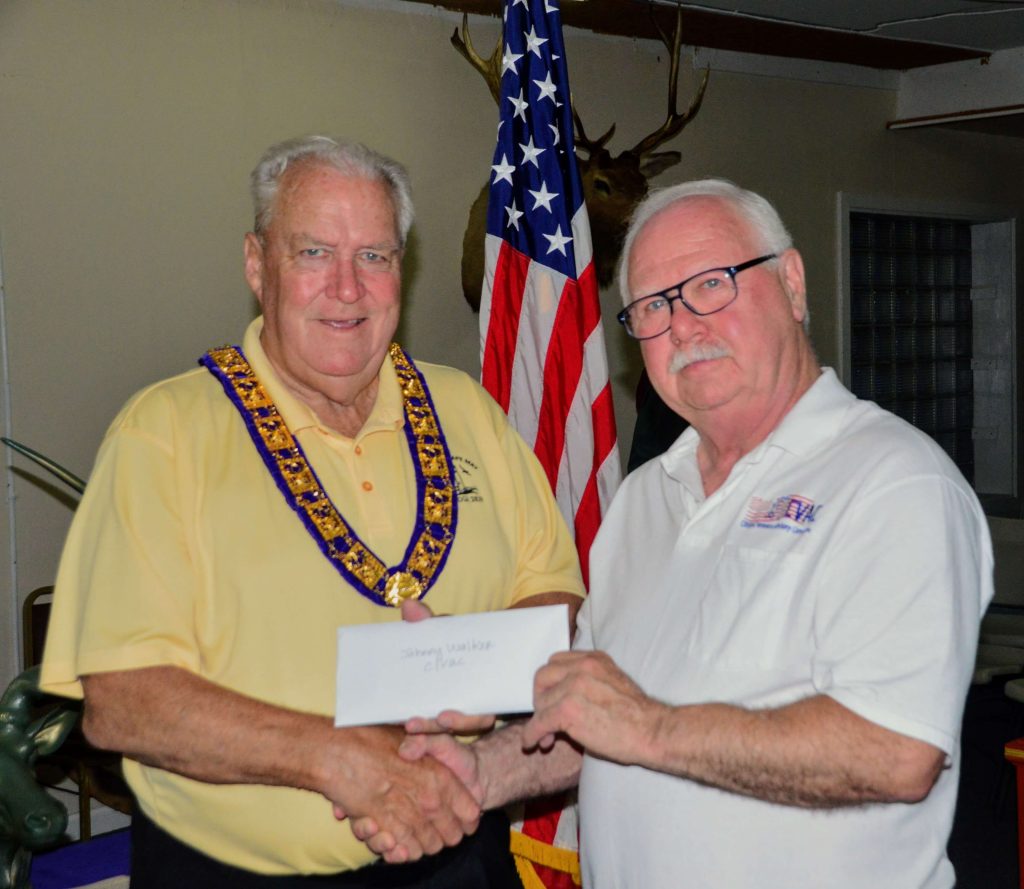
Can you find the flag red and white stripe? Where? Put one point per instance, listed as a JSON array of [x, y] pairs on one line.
[[543, 353]]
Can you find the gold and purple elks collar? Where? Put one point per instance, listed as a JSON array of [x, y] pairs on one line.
[[436, 500]]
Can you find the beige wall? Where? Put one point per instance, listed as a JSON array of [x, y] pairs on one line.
[[127, 131]]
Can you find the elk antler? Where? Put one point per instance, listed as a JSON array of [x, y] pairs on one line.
[[589, 145], [489, 68], [675, 121]]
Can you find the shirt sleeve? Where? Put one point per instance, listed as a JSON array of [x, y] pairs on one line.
[[123, 595], [902, 593]]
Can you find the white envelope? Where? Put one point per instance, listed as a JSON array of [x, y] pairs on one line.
[[476, 663]]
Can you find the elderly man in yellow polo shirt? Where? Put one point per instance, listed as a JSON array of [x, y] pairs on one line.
[[313, 477]]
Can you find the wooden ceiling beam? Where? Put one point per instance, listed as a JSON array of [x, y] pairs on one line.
[[714, 30]]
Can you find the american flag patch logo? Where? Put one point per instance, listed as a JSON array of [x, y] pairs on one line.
[[780, 512]]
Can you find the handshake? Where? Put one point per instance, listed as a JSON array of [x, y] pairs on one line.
[[411, 790], [423, 790]]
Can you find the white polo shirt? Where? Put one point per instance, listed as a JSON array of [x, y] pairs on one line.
[[844, 556]]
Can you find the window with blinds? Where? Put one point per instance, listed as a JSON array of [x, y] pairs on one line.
[[910, 324]]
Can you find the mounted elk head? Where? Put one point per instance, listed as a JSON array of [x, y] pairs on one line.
[[612, 186], [30, 819]]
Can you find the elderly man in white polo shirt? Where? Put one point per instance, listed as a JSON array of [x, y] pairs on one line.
[[770, 670]]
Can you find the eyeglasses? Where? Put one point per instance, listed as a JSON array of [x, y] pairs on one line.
[[703, 294]]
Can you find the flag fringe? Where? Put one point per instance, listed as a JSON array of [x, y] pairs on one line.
[[528, 851]]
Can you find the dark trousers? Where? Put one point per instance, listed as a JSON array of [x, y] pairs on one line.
[[482, 861]]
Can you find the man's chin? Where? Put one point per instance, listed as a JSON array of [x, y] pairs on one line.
[[697, 400]]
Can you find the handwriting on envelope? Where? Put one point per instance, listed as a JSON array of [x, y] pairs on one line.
[[476, 663]]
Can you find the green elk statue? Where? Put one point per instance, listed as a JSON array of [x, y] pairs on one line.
[[30, 819]]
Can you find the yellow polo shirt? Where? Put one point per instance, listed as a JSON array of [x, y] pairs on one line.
[[184, 552]]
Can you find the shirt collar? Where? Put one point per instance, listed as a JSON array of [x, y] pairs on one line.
[[387, 412], [813, 419]]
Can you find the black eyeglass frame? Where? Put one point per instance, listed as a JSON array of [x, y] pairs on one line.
[[731, 271]]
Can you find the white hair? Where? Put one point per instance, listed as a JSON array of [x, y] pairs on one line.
[[751, 207], [350, 158]]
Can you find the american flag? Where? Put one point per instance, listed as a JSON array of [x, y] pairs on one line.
[[542, 345]]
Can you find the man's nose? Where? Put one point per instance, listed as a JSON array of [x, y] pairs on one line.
[[684, 324], [344, 283]]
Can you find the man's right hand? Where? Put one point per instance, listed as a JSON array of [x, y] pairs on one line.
[[172, 719], [459, 760], [415, 806]]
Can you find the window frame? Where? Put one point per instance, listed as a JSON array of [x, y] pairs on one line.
[[974, 213]]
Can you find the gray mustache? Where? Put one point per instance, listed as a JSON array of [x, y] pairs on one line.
[[685, 357]]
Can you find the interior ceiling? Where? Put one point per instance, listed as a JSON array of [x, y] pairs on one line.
[[886, 34]]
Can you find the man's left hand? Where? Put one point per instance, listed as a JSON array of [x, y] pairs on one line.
[[586, 696]]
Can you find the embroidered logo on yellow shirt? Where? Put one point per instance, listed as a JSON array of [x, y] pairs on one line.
[[466, 473]]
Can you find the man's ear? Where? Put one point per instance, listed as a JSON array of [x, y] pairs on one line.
[[254, 256], [791, 270]]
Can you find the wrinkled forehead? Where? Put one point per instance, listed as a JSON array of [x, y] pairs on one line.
[[309, 183], [687, 237], [701, 220]]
